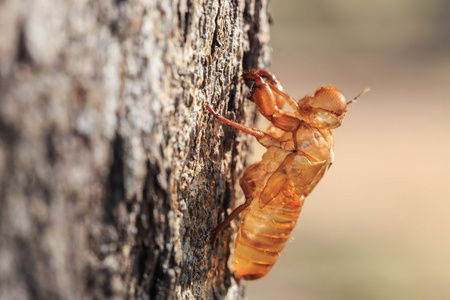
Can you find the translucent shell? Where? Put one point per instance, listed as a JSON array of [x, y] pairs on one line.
[[299, 151]]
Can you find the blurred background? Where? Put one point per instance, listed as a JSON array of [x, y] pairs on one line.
[[378, 225]]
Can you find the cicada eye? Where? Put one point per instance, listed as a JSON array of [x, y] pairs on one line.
[[339, 113]]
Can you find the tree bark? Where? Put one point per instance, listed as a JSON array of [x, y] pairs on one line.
[[112, 172]]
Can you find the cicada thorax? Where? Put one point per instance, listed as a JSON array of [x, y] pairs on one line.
[[278, 185]]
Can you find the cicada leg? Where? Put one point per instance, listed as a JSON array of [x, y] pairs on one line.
[[248, 187], [253, 131], [269, 99], [262, 94], [268, 78], [215, 232]]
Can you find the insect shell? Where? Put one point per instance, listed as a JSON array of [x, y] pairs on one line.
[[299, 151]]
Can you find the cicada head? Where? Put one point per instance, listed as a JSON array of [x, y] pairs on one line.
[[326, 109]]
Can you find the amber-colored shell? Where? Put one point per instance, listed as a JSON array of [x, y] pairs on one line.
[[299, 151]]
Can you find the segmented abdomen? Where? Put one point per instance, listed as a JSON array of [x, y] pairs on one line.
[[263, 233]]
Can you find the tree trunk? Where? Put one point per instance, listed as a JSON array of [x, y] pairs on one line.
[[112, 172]]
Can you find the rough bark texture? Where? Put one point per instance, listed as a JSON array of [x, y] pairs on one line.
[[112, 173]]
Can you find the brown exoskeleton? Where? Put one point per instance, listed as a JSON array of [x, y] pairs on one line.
[[299, 151]]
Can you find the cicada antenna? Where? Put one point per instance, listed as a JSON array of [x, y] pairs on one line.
[[359, 95]]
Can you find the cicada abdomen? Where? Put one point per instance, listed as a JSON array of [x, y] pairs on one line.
[[263, 233]]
